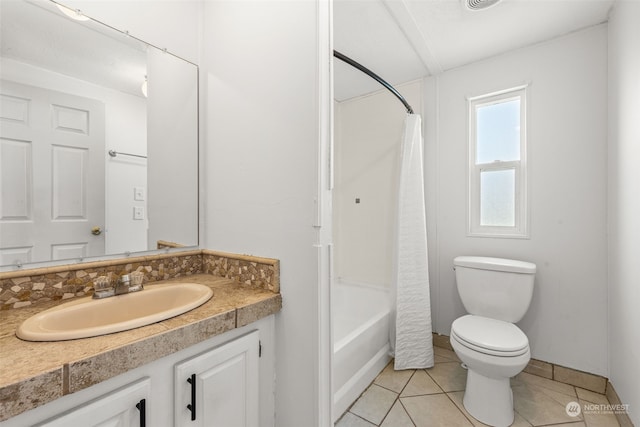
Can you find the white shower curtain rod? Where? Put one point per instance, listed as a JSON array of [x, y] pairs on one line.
[[374, 76]]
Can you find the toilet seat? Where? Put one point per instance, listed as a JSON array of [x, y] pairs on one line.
[[489, 336]]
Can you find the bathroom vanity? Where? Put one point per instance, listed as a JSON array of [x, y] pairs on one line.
[[141, 103], [216, 360]]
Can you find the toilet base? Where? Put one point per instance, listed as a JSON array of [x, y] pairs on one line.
[[489, 400]]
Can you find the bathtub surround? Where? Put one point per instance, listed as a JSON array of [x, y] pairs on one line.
[[366, 166], [34, 286], [410, 330], [361, 347]]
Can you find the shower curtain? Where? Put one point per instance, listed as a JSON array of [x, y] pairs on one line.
[[411, 339]]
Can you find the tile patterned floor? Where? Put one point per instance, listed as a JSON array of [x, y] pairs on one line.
[[433, 397]]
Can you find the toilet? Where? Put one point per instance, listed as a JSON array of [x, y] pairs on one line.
[[496, 293]]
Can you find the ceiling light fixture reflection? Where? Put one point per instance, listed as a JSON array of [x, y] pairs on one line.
[[474, 5], [73, 14]]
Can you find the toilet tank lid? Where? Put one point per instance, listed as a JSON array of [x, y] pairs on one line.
[[495, 264]]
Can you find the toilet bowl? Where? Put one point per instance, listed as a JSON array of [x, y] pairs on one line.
[[496, 293], [493, 351]]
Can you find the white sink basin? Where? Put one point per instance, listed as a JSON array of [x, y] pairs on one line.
[[88, 317]]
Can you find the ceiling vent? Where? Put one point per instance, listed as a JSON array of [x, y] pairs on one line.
[[479, 4]]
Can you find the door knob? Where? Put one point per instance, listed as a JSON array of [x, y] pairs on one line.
[[96, 231]]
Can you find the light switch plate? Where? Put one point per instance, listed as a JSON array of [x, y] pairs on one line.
[[138, 194], [138, 212]]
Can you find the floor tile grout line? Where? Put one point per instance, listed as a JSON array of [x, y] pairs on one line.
[[390, 408], [554, 381], [404, 408], [578, 420], [522, 416], [382, 387], [561, 424], [356, 401], [436, 382], [386, 388], [582, 417], [460, 410], [400, 394], [397, 397], [358, 416], [449, 359], [531, 423]]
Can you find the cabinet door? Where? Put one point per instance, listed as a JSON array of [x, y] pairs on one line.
[[222, 384], [124, 407]]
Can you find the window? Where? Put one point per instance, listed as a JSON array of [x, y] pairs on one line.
[[497, 164]]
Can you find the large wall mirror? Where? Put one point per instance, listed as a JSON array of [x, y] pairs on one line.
[[98, 140]]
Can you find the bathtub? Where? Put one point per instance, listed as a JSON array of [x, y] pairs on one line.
[[360, 320]]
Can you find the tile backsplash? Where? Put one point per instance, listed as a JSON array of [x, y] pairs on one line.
[[248, 270], [27, 287]]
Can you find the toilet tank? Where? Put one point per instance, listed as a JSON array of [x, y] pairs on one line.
[[495, 287]]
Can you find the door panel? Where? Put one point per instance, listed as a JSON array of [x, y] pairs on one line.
[[116, 409], [69, 173], [52, 179], [15, 176], [68, 251], [226, 386]]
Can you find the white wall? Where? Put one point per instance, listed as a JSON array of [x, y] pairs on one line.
[[567, 135], [624, 203], [172, 149], [368, 132], [264, 100]]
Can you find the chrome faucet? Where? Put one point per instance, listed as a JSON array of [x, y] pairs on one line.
[[122, 285], [104, 287]]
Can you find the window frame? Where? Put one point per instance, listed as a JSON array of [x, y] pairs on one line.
[[520, 230]]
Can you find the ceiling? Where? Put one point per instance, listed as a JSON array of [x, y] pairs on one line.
[[400, 40], [38, 33], [404, 40]]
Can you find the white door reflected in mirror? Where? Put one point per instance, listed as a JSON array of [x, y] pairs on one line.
[[69, 177]]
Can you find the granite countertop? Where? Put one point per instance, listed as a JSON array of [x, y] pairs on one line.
[[35, 373]]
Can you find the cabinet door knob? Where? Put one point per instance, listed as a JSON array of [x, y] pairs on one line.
[[142, 407], [192, 405]]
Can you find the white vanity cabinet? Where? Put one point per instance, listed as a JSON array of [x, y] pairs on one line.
[[125, 407], [220, 386], [234, 379]]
